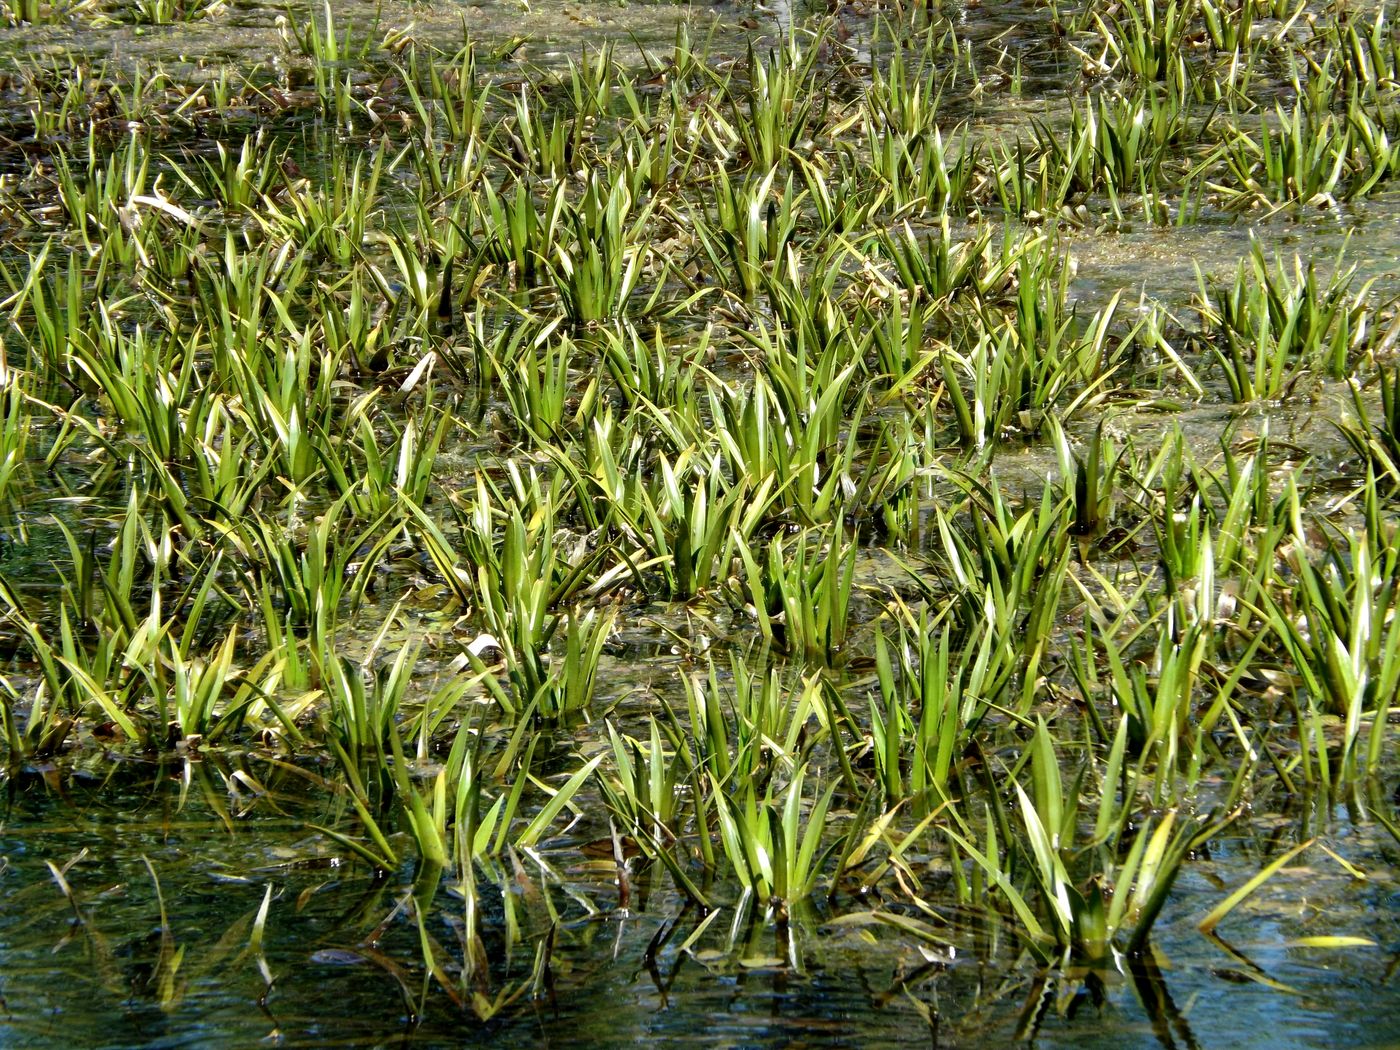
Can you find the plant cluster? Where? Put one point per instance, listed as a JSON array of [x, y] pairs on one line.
[[396, 443]]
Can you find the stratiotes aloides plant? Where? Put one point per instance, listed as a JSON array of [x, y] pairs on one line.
[[1082, 904]]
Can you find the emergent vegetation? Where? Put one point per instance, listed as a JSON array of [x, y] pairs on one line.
[[719, 458]]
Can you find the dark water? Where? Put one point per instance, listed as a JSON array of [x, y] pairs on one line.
[[345, 962]]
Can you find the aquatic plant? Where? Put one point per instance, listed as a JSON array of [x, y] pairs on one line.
[[1272, 326], [736, 478]]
